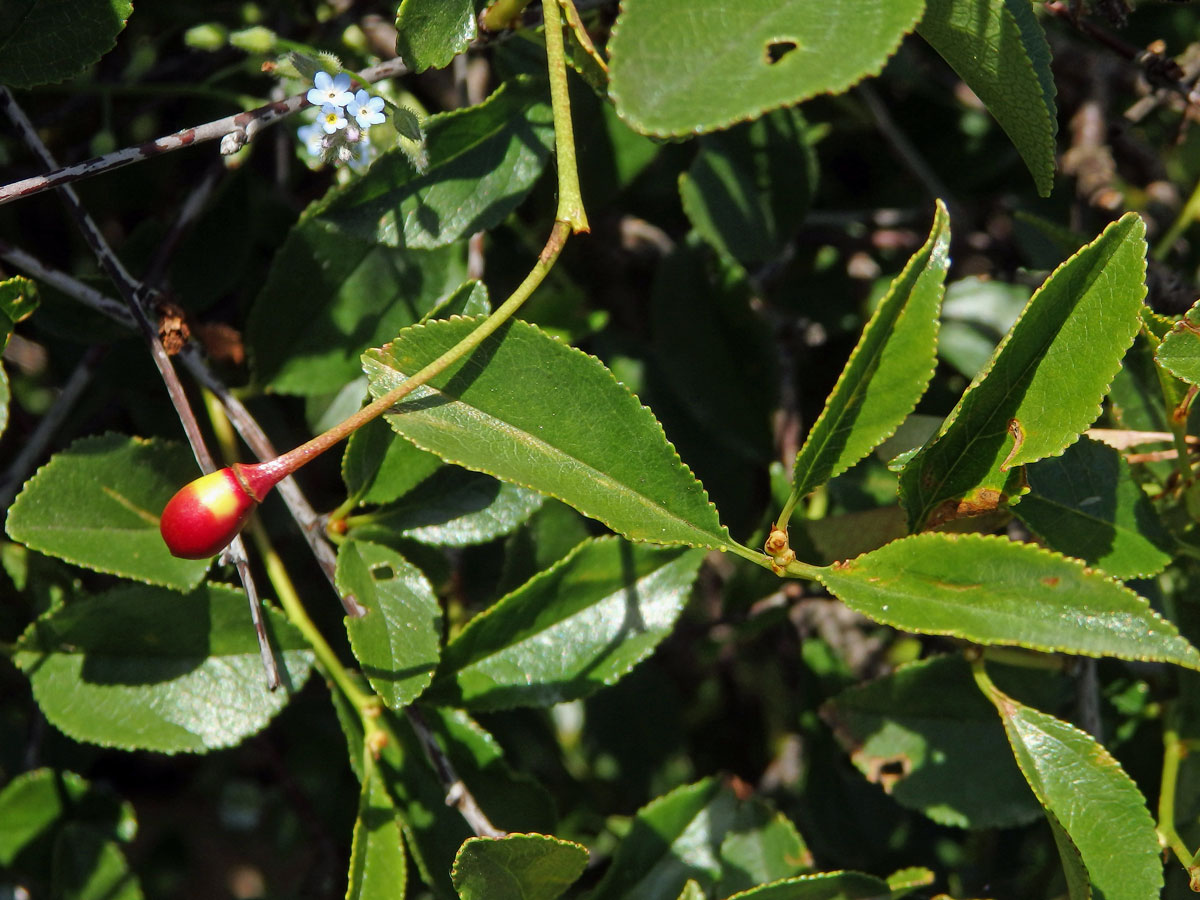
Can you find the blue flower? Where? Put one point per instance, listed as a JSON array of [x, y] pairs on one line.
[[367, 110], [332, 91], [312, 136], [331, 118]]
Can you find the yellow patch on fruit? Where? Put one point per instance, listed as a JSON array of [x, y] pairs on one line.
[[213, 491]]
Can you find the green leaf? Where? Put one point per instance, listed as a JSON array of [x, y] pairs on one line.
[[44, 41], [517, 867], [483, 161], [452, 508], [430, 33], [398, 640], [692, 891], [991, 590], [377, 866], [1068, 771], [999, 49], [603, 609], [89, 866], [700, 833], [748, 188], [678, 67], [97, 503], [924, 734], [1035, 398], [762, 846], [471, 299], [329, 294], [888, 371], [976, 313], [822, 886], [903, 881], [1179, 352], [1086, 503], [716, 354], [379, 466], [672, 839], [142, 668], [18, 299], [433, 830], [529, 410], [32, 803]]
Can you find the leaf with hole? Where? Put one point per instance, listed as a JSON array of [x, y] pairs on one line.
[[527, 409], [679, 67], [397, 642]]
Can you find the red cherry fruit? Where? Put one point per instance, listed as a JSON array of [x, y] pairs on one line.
[[206, 514]]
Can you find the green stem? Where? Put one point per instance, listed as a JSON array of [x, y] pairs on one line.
[[293, 459], [797, 569], [1172, 757], [1187, 215], [289, 599], [570, 200]]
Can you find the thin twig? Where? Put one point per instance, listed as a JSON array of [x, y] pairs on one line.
[[35, 445], [234, 132], [191, 356], [134, 294], [457, 793]]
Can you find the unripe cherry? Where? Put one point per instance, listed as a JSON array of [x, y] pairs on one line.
[[206, 514]]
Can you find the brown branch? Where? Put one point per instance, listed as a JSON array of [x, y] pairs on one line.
[[134, 296], [234, 132]]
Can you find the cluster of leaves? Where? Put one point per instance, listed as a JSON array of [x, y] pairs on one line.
[[562, 630]]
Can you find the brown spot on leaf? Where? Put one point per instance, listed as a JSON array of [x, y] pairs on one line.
[[1050, 580], [979, 503]]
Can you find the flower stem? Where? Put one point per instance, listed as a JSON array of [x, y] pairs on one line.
[[570, 201], [1173, 753], [293, 459]]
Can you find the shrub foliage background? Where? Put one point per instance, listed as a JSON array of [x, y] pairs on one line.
[[823, 525]]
